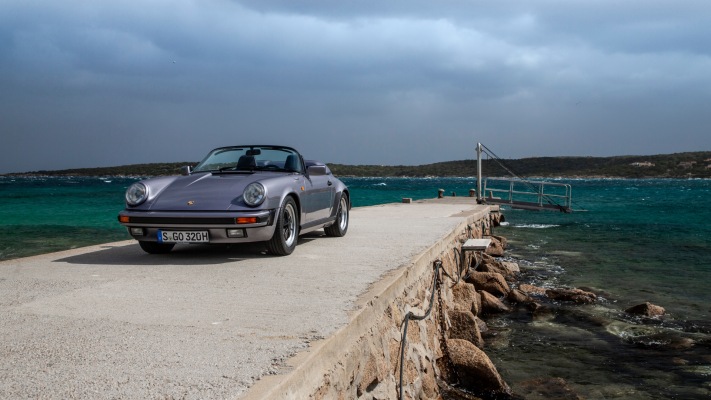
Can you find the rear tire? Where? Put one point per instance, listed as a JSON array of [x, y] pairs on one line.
[[286, 232], [156, 248], [340, 227]]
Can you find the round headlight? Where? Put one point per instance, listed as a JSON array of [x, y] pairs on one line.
[[136, 194], [254, 194]]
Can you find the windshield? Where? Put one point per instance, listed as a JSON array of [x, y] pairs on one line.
[[251, 158]]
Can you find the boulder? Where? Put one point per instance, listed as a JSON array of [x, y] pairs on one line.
[[530, 289], [497, 267], [504, 242], [491, 282], [482, 325], [518, 296], [490, 304], [495, 248], [511, 266], [466, 296], [497, 218], [475, 370], [574, 295], [465, 327], [646, 309]]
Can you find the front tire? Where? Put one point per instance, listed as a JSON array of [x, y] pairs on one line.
[[286, 232], [156, 248], [340, 227]]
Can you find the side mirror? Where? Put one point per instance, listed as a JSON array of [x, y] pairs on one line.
[[317, 170], [185, 170]]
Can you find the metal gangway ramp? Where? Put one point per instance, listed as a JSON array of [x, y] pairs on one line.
[[520, 193], [530, 195]]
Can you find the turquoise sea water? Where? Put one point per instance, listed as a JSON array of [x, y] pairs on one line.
[[640, 240]]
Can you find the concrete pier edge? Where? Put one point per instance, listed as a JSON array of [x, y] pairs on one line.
[[311, 364]]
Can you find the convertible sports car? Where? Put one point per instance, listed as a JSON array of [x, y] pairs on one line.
[[238, 194]]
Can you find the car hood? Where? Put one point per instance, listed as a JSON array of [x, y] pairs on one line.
[[203, 192]]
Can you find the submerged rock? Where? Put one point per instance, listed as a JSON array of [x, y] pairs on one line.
[[646, 309], [574, 295], [550, 388], [539, 311], [475, 370]]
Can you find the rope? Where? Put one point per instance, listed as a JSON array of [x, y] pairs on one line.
[[410, 315]]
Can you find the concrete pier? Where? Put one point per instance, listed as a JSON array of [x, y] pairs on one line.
[[110, 321]]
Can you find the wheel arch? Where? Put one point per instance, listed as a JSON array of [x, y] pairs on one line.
[[297, 201]]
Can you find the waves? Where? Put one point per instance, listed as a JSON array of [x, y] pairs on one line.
[[535, 226]]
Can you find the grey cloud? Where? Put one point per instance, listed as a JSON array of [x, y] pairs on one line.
[[357, 82]]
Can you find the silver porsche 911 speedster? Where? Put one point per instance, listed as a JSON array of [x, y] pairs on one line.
[[238, 194]]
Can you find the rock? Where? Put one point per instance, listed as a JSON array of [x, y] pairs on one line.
[[477, 302], [491, 282], [490, 304], [530, 289], [574, 295], [482, 325], [504, 242], [497, 267], [518, 296], [683, 343], [475, 370], [663, 341], [466, 296], [465, 327], [679, 361], [549, 388], [539, 311], [646, 309], [495, 248], [485, 258], [511, 266], [497, 218]]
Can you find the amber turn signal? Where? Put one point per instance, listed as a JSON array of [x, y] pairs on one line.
[[246, 220], [124, 218]]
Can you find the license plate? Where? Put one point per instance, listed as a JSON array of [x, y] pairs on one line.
[[183, 236]]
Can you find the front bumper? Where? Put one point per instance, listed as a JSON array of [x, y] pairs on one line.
[[257, 226]]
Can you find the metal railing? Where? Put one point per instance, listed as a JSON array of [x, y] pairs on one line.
[[528, 194]]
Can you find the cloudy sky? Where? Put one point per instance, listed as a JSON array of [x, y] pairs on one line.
[[103, 83]]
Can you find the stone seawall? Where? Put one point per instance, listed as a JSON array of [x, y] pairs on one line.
[[362, 360]]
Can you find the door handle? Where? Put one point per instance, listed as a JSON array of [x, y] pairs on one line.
[[330, 183]]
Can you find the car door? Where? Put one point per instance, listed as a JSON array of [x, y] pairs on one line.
[[318, 197]]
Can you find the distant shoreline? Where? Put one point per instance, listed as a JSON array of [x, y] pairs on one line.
[[674, 166], [576, 177]]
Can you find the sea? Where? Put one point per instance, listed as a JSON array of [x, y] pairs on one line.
[[637, 240]]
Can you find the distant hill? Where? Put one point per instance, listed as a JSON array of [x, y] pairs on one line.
[[155, 169], [678, 165]]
